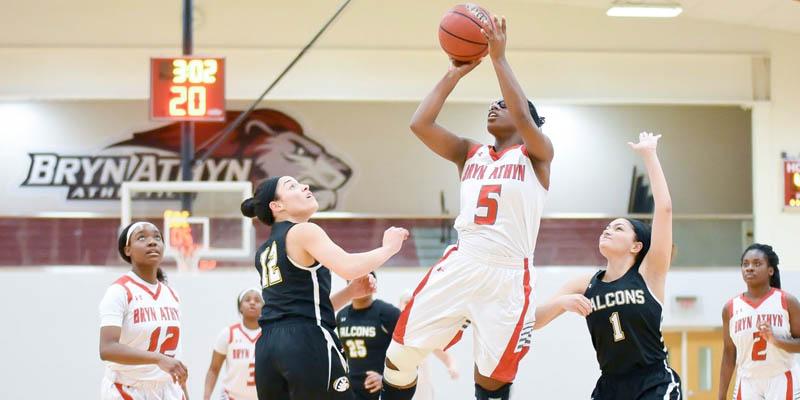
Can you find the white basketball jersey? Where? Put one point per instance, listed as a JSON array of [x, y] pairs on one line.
[[149, 316], [501, 203], [755, 357], [238, 344]]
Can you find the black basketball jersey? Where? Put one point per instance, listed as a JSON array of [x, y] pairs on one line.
[[290, 290], [625, 323], [366, 334]]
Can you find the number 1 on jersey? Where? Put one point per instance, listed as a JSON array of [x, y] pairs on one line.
[[485, 200], [617, 327]]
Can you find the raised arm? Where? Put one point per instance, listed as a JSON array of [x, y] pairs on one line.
[[539, 147], [307, 242], [443, 142], [728, 356], [569, 298], [656, 263]]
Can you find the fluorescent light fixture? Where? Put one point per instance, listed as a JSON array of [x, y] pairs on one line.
[[645, 10]]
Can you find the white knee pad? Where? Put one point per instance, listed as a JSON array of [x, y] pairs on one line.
[[406, 359]]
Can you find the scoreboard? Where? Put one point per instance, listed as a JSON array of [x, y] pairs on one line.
[[791, 184], [187, 89]]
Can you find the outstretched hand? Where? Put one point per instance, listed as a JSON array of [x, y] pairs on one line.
[[363, 286], [648, 142], [495, 34]]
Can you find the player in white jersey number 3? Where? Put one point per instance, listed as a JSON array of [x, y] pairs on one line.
[[140, 325], [761, 332], [236, 348], [487, 279]]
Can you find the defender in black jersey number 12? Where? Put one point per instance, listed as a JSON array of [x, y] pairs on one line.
[[299, 355]]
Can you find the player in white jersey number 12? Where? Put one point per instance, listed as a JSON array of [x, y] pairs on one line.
[[761, 332], [486, 280], [140, 325]]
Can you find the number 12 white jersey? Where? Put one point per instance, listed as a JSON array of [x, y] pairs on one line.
[[149, 316], [501, 203]]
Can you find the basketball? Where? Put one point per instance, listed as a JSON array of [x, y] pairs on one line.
[[460, 32]]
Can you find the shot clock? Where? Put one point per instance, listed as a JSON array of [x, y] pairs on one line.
[[187, 89]]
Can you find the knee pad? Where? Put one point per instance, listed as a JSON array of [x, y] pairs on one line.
[[406, 359]]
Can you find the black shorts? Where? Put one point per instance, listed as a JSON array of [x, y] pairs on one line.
[[650, 383], [299, 360]]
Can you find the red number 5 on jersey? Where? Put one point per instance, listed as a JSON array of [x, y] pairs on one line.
[[485, 199]]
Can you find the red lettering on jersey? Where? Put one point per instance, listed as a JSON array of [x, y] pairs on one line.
[[519, 172], [241, 354], [169, 314], [742, 324], [769, 319], [481, 170], [467, 172], [144, 314], [507, 169], [474, 171], [495, 173]]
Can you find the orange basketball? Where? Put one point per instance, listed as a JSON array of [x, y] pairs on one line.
[[460, 32]]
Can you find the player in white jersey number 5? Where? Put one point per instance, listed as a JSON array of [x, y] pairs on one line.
[[140, 326], [236, 348], [761, 330], [487, 279]]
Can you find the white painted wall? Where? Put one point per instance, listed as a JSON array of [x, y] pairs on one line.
[[51, 328], [705, 152], [776, 129]]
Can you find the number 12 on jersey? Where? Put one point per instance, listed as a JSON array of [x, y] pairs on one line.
[[270, 272], [488, 198]]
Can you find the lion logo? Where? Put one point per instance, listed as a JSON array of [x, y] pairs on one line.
[[267, 143]]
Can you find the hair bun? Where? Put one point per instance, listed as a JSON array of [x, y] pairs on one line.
[[249, 208]]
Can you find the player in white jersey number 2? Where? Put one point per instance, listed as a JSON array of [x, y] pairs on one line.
[[761, 330], [140, 325], [487, 279]]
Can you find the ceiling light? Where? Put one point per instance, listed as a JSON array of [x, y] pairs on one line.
[[645, 10]]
